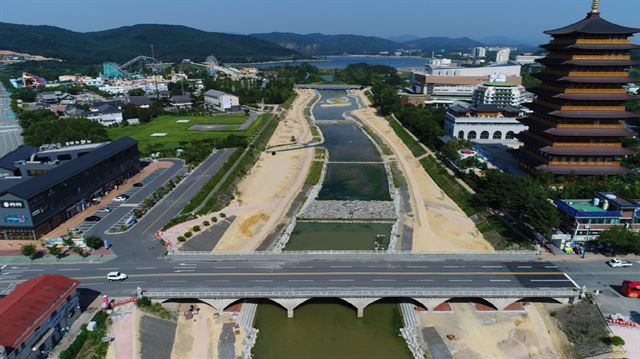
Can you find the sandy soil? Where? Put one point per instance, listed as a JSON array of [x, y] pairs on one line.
[[529, 335], [266, 193], [439, 225]]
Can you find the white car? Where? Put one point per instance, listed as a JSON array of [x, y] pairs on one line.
[[104, 210], [117, 276], [616, 262], [122, 198]]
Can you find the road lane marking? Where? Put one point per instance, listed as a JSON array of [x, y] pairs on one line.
[[68, 269], [300, 280], [420, 280], [341, 280], [184, 270], [525, 267], [460, 280], [144, 268], [341, 266], [453, 267], [107, 268], [261, 281], [548, 280], [383, 280], [137, 282], [571, 280], [303, 267], [217, 280], [225, 267], [417, 267], [551, 266], [491, 266], [356, 274], [376, 266], [24, 270], [3, 267], [499, 280], [173, 281]]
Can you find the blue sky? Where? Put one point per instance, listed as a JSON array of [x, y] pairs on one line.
[[520, 19]]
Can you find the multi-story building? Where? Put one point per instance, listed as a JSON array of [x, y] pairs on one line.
[[105, 113], [584, 219], [502, 56], [221, 101], [576, 126], [36, 315], [497, 91], [484, 123], [48, 185], [527, 59], [479, 52]]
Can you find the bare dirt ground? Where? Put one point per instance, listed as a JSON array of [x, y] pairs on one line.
[[439, 225], [508, 335], [266, 193]]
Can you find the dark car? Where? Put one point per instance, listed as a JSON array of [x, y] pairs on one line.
[[138, 184], [93, 219]]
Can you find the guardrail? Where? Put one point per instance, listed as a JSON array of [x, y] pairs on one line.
[[352, 252], [361, 293]]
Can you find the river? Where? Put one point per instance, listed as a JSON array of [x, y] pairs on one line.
[[329, 328], [340, 62]]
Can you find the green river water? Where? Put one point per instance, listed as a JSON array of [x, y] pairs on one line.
[[329, 328]]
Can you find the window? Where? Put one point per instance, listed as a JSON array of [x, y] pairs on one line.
[[510, 135], [461, 135], [497, 135], [64, 157], [484, 135], [472, 135]]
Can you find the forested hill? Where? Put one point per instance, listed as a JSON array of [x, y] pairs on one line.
[[172, 43], [320, 44]]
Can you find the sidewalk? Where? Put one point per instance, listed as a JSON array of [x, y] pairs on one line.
[[98, 256], [76, 327]]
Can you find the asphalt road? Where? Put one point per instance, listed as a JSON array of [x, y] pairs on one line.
[[139, 243], [308, 274], [10, 131]]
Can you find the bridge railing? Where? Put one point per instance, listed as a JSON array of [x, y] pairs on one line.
[[354, 252], [361, 293]]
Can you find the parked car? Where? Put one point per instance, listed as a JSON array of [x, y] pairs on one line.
[[93, 219], [104, 210], [630, 289], [117, 276], [616, 262], [138, 184], [121, 198]]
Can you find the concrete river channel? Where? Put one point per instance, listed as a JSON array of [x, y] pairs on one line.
[[329, 328]]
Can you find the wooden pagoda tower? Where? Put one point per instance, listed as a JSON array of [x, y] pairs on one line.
[[577, 123]]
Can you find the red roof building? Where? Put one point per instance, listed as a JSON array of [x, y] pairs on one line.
[[35, 315]]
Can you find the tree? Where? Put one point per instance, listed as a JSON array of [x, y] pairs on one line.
[[620, 240], [28, 250], [63, 130], [136, 92], [93, 242], [68, 241], [54, 250], [78, 250]]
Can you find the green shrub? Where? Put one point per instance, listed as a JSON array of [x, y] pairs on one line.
[[616, 340], [181, 239], [206, 223], [214, 219], [196, 228], [94, 242], [222, 215], [188, 234]]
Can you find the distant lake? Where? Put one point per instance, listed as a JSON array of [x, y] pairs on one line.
[[340, 62]]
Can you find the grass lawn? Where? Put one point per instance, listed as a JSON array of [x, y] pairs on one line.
[[178, 132]]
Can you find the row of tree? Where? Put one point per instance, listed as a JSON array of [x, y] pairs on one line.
[[42, 126]]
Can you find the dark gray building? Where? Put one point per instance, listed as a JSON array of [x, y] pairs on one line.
[[49, 185]]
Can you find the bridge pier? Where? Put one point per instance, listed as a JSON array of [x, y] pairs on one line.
[[360, 304], [219, 304], [290, 304], [430, 303], [501, 303]]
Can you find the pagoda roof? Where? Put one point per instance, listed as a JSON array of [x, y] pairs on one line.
[[621, 47], [589, 132], [593, 24], [584, 79], [583, 170], [558, 62], [582, 114], [586, 151], [585, 96]]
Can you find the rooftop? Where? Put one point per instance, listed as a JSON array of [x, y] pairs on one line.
[[593, 24], [30, 304]]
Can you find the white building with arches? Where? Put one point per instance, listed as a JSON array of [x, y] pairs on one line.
[[485, 123]]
